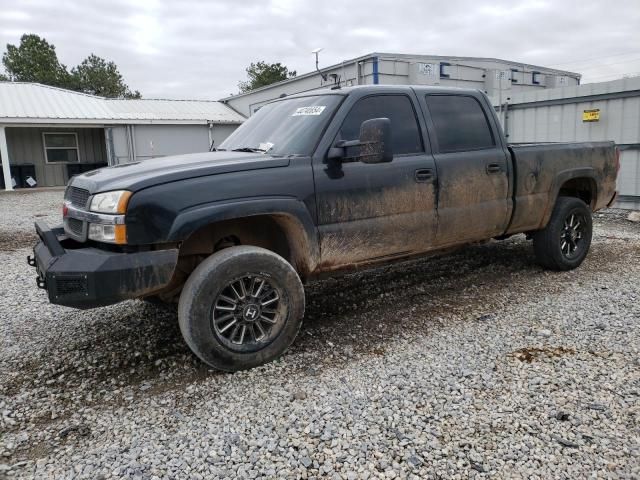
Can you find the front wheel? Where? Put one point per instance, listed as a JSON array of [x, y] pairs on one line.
[[564, 243], [241, 307]]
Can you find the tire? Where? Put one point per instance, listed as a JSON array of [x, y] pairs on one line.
[[240, 287], [556, 247]]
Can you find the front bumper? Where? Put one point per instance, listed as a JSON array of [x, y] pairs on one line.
[[78, 276]]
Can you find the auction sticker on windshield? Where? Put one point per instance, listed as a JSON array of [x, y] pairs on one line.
[[317, 110]]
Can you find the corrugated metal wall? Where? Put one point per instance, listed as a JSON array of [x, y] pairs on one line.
[[25, 146], [406, 70], [556, 116]]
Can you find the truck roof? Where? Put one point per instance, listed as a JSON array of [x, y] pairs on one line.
[[382, 88]]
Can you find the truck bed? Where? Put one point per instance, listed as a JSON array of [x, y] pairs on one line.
[[542, 170]]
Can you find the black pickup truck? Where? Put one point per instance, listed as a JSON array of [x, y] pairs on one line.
[[314, 184]]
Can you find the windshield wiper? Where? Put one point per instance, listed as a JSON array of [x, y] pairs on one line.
[[249, 149]]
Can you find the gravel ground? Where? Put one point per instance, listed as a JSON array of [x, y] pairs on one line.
[[478, 364], [16, 230]]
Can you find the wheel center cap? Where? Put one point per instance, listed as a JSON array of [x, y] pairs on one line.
[[251, 312]]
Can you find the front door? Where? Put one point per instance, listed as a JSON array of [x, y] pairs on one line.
[[473, 170], [369, 212]]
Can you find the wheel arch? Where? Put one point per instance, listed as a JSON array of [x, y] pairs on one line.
[[579, 183], [282, 225]]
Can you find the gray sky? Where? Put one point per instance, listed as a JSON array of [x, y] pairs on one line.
[[199, 49]]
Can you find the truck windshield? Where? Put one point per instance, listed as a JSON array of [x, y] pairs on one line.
[[286, 127]]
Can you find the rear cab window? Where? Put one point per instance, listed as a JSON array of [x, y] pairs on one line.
[[460, 123]]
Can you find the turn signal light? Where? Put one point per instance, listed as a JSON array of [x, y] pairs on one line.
[[108, 233]]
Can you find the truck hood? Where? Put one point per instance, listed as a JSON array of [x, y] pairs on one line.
[[139, 175]]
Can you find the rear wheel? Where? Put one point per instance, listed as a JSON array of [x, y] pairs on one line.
[[240, 308], [564, 243]]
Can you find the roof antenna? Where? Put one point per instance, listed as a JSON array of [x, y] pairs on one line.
[[316, 52]]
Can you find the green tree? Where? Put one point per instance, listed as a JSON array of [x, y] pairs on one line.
[[3, 78], [98, 77], [262, 73], [35, 60]]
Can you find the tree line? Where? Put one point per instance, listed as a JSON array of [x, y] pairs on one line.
[[36, 60], [262, 74]]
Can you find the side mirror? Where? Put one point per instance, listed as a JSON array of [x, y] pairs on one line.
[[374, 143]]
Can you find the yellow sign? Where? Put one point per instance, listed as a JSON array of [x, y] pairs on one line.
[[591, 115]]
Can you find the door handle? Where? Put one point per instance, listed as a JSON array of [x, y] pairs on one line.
[[494, 168], [424, 175]]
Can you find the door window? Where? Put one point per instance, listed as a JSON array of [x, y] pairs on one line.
[[460, 123], [398, 109]]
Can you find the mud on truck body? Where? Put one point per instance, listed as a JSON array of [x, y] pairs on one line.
[[314, 184]]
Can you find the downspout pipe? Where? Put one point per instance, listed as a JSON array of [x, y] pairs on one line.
[[210, 131], [108, 140], [127, 131], [376, 80], [133, 143]]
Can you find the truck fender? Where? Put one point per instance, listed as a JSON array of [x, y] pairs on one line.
[[291, 209], [560, 179]]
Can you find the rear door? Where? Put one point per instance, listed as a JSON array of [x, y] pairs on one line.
[[472, 166], [371, 211]]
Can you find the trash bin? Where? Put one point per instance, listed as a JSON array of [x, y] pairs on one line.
[[78, 168], [15, 174], [74, 169], [94, 166]]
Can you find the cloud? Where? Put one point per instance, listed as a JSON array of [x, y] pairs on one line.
[[371, 33], [15, 15], [200, 49]]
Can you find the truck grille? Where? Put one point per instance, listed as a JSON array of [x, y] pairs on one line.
[[77, 196], [75, 226]]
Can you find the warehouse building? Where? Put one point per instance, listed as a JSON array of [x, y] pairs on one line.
[[48, 134], [495, 77], [534, 103], [584, 113]]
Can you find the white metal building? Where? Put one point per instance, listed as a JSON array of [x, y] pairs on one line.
[[590, 112], [538, 104], [493, 76], [49, 134]]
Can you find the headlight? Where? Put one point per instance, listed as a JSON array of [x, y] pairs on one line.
[[110, 202], [108, 233]]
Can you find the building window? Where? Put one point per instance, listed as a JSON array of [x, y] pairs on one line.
[[61, 147]]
